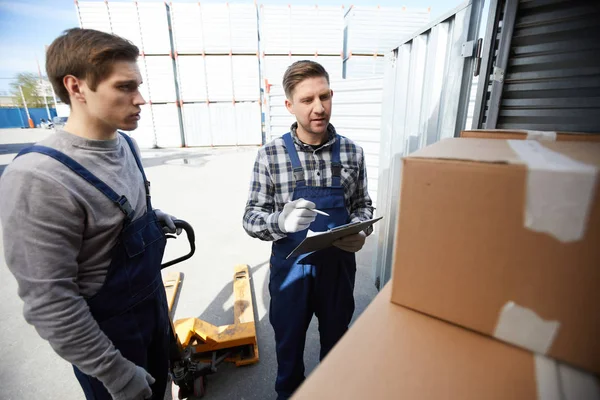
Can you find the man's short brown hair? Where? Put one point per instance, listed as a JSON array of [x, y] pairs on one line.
[[299, 71], [86, 54]]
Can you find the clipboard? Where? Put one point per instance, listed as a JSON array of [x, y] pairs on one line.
[[321, 240]]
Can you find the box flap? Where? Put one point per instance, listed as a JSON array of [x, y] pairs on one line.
[[502, 151], [529, 134]]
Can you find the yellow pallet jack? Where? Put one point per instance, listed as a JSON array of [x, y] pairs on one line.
[[198, 347]]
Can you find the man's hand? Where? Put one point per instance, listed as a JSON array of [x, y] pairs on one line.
[[138, 387], [166, 222], [296, 216], [351, 243]]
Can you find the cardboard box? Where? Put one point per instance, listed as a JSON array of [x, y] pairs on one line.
[[503, 237], [392, 352], [521, 134]]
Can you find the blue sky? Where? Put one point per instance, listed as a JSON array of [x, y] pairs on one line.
[[26, 26]]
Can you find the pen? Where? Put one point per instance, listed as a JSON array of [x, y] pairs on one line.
[[320, 212]]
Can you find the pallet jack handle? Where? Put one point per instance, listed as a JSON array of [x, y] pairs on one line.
[[191, 238]]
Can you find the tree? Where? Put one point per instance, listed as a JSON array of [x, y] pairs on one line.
[[30, 84]]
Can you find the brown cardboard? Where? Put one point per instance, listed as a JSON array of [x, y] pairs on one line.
[[521, 134], [463, 251], [392, 352]]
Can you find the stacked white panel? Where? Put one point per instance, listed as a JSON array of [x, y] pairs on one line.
[[275, 28], [93, 15], [275, 66], [188, 36], [192, 78], [316, 30], [377, 30], [144, 87], [219, 79], [196, 124], [279, 120], [144, 134], [154, 26], [246, 78], [244, 28], [332, 64], [125, 23], [222, 124], [166, 125], [248, 123], [222, 121], [161, 81], [216, 28], [364, 66], [302, 29]]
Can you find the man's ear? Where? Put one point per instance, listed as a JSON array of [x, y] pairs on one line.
[[75, 87], [289, 105], [331, 95]]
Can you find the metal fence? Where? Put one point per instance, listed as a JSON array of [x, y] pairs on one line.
[[14, 117]]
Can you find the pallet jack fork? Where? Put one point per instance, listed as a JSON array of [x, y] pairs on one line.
[[198, 347]]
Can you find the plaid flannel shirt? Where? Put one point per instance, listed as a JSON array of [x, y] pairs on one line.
[[273, 183]]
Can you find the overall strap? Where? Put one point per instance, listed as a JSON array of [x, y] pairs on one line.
[[336, 164], [296, 165], [141, 168], [119, 201]]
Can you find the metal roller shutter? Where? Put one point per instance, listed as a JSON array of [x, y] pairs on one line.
[[546, 75]]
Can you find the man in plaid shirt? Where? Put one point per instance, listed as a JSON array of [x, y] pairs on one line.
[[309, 168]]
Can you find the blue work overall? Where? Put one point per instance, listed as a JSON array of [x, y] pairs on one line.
[[131, 306], [321, 282]]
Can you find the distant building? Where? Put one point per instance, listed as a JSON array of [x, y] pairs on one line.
[[6, 99]]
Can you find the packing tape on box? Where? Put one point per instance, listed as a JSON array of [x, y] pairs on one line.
[[523, 327], [541, 135], [546, 378], [560, 191], [557, 381]]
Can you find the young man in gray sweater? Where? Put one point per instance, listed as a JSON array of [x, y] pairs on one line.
[[80, 235]]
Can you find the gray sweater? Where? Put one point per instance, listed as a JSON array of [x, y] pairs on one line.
[[58, 235]]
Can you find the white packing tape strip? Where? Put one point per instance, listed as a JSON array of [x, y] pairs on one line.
[[559, 193], [541, 135], [546, 378], [523, 327], [558, 381]]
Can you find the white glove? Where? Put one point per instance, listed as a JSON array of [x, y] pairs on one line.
[[138, 387], [351, 243], [167, 222], [296, 216]]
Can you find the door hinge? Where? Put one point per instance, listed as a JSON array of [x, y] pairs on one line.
[[478, 57], [468, 48]]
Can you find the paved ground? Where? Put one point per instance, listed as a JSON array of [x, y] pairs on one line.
[[208, 188]]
